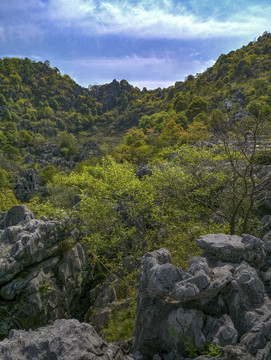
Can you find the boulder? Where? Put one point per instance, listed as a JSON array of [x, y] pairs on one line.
[[233, 248], [220, 299], [63, 340]]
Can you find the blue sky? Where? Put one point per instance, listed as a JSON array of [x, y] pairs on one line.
[[150, 43]]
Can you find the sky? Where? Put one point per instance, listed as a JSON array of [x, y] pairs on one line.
[[151, 43]]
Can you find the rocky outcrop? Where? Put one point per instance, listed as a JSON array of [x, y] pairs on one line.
[[239, 116], [41, 270], [50, 154], [29, 184], [64, 340], [108, 94], [222, 299]]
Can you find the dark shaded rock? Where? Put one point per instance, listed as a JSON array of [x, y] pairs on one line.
[[64, 340], [222, 301], [143, 170], [49, 154], [41, 270], [126, 345], [26, 186], [86, 150], [16, 215], [220, 331]]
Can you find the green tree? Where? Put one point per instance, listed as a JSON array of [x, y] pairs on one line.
[[197, 106], [25, 139]]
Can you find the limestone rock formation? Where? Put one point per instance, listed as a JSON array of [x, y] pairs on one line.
[[29, 184], [223, 298], [41, 270], [64, 340]]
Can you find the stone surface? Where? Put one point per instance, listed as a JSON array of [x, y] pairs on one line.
[[220, 331], [220, 299], [41, 267], [28, 185], [233, 248], [64, 340]]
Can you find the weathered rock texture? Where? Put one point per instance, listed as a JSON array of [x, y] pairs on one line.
[[64, 340], [41, 270], [223, 298], [29, 184], [50, 154]]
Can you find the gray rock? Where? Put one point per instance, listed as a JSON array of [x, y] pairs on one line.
[[160, 280], [29, 184], [16, 215], [64, 340], [102, 300], [229, 289], [220, 331], [264, 354], [237, 353], [41, 267], [233, 248], [239, 116], [186, 324], [228, 104], [28, 243]]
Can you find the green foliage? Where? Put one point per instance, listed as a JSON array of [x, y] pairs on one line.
[[25, 138], [121, 324], [217, 119], [213, 350], [196, 107], [7, 199], [44, 288], [47, 173], [180, 103], [11, 152], [4, 179], [261, 86]]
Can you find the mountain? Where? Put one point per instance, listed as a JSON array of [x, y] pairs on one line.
[[39, 106]]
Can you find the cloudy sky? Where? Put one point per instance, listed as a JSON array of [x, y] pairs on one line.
[[150, 43]]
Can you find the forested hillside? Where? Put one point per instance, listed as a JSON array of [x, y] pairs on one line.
[[135, 170]]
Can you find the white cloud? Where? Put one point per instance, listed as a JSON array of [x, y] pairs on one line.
[[154, 19], [202, 66]]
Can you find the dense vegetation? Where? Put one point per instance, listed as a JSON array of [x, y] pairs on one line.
[[198, 172]]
